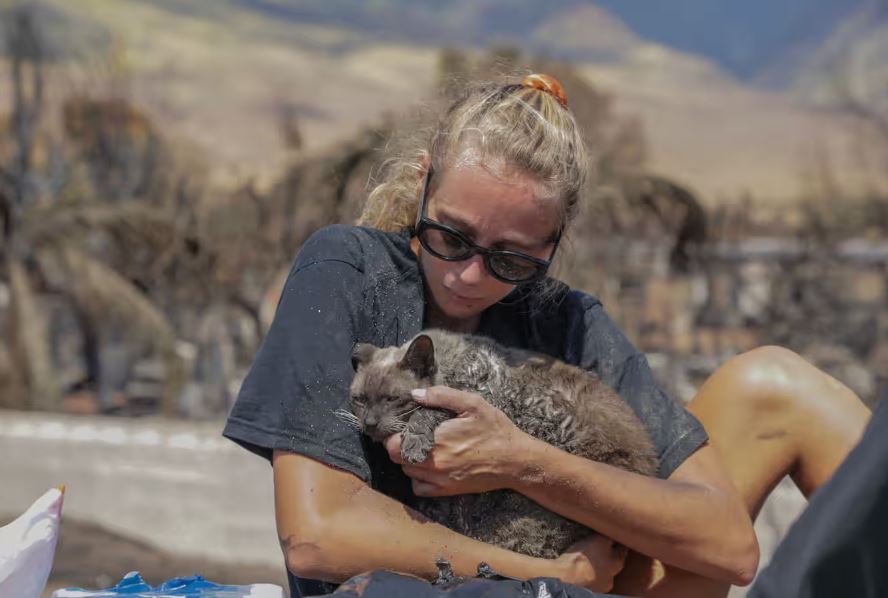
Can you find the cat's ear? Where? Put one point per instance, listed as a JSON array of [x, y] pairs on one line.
[[361, 354], [420, 357]]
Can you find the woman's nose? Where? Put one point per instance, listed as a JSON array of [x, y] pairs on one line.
[[474, 270]]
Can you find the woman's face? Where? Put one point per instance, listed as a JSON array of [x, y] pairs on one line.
[[495, 211]]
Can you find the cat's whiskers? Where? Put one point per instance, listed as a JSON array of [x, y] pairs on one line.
[[349, 418], [411, 411]]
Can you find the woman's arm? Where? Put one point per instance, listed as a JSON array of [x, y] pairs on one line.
[[332, 526], [695, 520]]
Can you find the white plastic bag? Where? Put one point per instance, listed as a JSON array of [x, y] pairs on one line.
[[27, 547]]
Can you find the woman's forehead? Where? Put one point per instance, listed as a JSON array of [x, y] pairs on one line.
[[501, 206]]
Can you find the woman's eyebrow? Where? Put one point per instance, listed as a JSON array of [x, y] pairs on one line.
[[457, 222], [469, 230]]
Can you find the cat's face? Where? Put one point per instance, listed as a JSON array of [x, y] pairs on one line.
[[380, 396]]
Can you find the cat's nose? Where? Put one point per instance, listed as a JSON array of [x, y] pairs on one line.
[[370, 422]]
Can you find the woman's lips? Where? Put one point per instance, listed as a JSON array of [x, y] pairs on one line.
[[462, 297]]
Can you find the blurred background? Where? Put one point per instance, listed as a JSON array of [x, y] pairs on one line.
[[161, 162]]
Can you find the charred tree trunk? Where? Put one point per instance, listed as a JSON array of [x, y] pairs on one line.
[[30, 344], [30, 350], [26, 51]]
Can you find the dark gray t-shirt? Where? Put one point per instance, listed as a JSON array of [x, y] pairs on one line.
[[351, 284]]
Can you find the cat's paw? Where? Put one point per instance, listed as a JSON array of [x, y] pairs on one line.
[[415, 448]]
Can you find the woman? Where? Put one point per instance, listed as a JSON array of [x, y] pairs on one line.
[[489, 199]]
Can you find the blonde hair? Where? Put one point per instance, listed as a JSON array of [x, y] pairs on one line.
[[517, 125]]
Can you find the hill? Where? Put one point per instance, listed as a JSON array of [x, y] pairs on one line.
[[741, 38], [852, 60], [224, 73]]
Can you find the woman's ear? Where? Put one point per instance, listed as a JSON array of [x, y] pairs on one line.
[[425, 162]]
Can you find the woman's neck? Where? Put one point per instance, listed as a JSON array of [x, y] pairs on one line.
[[435, 319]]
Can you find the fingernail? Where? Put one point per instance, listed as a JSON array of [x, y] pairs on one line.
[[419, 393]]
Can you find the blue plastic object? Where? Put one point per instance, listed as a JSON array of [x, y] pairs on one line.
[[194, 586]]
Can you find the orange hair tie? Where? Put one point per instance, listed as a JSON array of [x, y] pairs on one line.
[[546, 83]]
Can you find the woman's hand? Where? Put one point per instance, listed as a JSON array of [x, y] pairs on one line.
[[474, 452], [592, 563]]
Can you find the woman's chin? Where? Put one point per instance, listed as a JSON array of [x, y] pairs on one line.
[[457, 308], [458, 303], [467, 311]]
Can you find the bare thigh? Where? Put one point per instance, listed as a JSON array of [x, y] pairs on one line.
[[769, 414]]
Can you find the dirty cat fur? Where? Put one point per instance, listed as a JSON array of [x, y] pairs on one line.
[[546, 398]]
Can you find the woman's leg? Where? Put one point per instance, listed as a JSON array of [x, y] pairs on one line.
[[770, 414]]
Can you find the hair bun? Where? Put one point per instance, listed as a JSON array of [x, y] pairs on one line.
[[546, 83]]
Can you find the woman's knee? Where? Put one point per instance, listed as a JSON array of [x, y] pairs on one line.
[[768, 379], [774, 380], [771, 369]]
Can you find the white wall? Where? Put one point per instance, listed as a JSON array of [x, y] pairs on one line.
[[179, 485]]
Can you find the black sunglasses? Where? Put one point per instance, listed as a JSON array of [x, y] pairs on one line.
[[447, 243]]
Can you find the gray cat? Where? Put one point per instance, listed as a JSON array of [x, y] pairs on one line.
[[549, 399]]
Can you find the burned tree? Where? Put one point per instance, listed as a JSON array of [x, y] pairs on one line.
[[51, 227]]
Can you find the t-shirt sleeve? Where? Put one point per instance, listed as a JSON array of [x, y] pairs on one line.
[[302, 371], [607, 352]]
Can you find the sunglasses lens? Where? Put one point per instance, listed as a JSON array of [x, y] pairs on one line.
[[514, 268], [449, 246], [444, 244]]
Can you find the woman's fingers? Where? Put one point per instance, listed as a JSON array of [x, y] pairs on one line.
[[443, 397], [420, 480], [422, 473], [424, 488], [414, 472], [430, 489], [426, 482], [393, 446]]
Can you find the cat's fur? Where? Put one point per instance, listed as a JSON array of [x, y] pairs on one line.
[[551, 400]]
